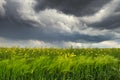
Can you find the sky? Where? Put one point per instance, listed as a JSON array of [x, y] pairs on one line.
[[60, 23]]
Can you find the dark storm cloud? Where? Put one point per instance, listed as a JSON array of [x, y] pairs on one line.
[[2, 11], [18, 30], [110, 23], [49, 21], [74, 7], [108, 17]]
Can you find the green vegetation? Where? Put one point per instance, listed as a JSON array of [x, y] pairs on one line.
[[59, 64]]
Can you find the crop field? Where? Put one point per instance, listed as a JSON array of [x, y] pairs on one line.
[[59, 64]]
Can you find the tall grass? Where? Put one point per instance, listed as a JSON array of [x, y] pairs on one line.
[[59, 64]]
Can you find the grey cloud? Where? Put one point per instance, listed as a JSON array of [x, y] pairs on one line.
[[49, 24], [108, 17], [112, 22], [18, 30], [2, 10], [74, 7]]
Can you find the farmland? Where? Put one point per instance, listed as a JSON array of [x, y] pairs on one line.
[[59, 64]]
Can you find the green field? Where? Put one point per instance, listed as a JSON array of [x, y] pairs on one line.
[[59, 64]]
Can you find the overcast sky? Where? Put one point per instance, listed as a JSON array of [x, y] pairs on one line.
[[60, 23]]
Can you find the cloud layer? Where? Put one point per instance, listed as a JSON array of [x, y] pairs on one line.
[[59, 22]]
